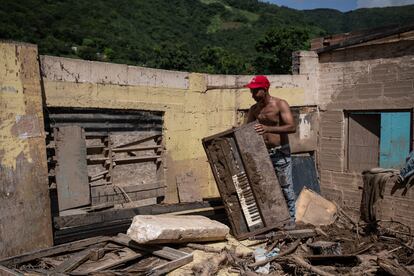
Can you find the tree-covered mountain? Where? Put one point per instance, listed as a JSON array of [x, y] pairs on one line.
[[215, 36]]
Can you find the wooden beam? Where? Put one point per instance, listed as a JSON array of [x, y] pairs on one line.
[[152, 137], [69, 247], [136, 148], [119, 214]]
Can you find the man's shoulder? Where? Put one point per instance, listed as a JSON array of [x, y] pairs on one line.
[[279, 101]]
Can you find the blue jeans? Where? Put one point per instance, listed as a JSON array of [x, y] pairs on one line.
[[283, 167]]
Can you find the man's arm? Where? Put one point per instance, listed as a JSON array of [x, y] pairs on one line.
[[250, 115], [286, 117]]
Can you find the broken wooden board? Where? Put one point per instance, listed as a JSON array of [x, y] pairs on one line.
[[111, 259], [95, 256], [188, 188], [71, 169], [176, 257], [68, 247]]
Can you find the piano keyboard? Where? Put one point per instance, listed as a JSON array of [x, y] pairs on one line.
[[247, 201]]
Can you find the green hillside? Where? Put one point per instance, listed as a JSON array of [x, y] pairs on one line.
[[215, 36]]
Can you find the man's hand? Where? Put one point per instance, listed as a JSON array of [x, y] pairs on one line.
[[261, 129]]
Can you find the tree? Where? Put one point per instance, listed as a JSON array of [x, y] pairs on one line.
[[217, 60], [276, 48], [171, 56]]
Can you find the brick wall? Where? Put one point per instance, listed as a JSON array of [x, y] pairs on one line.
[[370, 77]]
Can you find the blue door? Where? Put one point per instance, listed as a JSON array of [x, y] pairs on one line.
[[395, 139]]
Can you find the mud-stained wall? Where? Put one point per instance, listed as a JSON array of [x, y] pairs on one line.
[[194, 105], [25, 218], [363, 78]]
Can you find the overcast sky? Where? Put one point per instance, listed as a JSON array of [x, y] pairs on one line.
[[342, 5]]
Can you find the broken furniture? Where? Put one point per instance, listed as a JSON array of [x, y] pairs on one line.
[[100, 254], [246, 180]]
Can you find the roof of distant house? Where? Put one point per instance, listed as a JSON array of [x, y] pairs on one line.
[[338, 41]]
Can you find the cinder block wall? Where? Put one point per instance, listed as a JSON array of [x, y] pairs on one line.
[[25, 219], [194, 105], [367, 77]]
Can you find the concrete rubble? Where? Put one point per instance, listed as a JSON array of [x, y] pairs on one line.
[[176, 229]]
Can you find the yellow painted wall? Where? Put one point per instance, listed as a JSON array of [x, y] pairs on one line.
[[190, 115]]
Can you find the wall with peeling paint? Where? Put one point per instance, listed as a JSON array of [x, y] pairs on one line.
[[25, 218], [194, 105]]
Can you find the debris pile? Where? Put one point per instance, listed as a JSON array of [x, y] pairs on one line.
[[344, 247], [338, 245]]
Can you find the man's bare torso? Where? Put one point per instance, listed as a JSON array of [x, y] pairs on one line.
[[269, 115]]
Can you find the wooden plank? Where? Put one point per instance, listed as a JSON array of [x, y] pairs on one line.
[[111, 259], [119, 214], [115, 195], [96, 191], [136, 148], [159, 251], [128, 160], [172, 265], [71, 170], [149, 138], [4, 271], [125, 160], [74, 261], [69, 247]]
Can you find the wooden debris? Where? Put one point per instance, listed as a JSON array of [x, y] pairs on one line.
[[302, 263], [393, 268], [288, 251]]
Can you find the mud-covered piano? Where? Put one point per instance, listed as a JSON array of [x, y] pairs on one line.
[[246, 180]]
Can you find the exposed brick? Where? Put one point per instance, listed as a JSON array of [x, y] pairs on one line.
[[347, 181], [406, 73], [332, 195], [346, 94], [325, 178], [384, 73], [331, 154], [367, 91], [398, 89], [331, 124]]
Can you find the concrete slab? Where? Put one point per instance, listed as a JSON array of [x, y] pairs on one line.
[[175, 229]]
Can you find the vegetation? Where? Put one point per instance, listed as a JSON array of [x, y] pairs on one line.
[[215, 36]]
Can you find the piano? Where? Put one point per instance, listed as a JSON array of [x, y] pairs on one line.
[[246, 181]]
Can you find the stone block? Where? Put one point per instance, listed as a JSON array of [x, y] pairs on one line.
[[175, 229]]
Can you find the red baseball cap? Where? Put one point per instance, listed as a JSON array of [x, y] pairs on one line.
[[259, 82]]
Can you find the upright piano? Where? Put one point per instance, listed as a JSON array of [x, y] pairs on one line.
[[246, 181]]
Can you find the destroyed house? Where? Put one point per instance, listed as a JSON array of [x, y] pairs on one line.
[[85, 146], [366, 99]]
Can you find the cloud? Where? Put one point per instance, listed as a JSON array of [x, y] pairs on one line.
[[382, 3]]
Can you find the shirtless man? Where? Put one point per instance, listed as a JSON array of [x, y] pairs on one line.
[[275, 122]]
